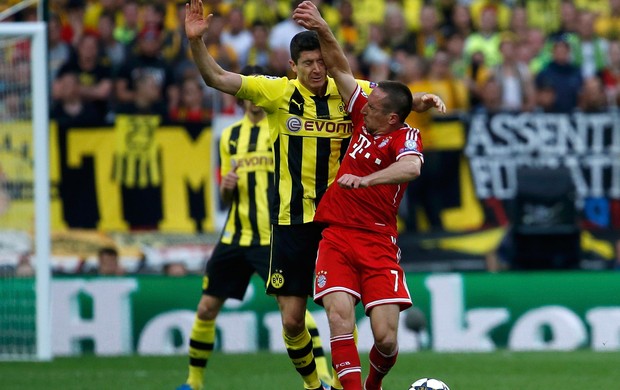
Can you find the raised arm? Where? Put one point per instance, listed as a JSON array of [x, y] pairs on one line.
[[308, 16], [423, 101], [196, 26]]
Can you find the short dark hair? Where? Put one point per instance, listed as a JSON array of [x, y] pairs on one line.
[[108, 15], [398, 99], [107, 250], [259, 23], [304, 41], [561, 41]]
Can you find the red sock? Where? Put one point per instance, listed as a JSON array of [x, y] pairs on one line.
[[346, 361], [380, 365]]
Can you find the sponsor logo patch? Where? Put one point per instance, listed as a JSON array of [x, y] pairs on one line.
[[293, 124]]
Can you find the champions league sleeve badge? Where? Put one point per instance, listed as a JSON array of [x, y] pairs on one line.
[[410, 145]]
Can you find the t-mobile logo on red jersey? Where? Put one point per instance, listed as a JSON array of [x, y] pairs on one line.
[[358, 147]]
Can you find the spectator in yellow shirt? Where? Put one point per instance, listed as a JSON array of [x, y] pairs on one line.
[[608, 26]]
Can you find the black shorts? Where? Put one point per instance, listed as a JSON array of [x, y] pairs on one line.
[[228, 271], [293, 256]]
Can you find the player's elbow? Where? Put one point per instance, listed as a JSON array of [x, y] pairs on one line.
[[413, 169], [415, 172], [225, 81]]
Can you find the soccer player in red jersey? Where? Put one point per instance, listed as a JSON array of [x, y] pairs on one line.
[[358, 259]]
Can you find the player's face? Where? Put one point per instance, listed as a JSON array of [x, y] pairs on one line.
[[375, 117], [311, 71], [108, 265]]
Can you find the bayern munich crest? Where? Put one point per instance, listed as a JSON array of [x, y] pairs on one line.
[[321, 279]]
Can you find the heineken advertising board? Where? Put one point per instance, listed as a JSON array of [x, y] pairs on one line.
[[475, 312]]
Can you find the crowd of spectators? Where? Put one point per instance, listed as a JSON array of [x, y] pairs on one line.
[[111, 57], [479, 55]]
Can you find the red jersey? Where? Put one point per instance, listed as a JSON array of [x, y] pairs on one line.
[[373, 208]]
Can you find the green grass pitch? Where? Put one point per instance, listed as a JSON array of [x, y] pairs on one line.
[[264, 371]]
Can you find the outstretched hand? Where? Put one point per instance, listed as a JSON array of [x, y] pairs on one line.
[[430, 100], [196, 25], [308, 16]]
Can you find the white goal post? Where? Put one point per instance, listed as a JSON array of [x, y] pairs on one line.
[[36, 33]]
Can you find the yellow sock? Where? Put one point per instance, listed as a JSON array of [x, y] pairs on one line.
[[299, 350], [200, 348], [336, 385], [322, 366]]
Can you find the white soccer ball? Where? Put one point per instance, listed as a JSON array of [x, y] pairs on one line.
[[428, 384]]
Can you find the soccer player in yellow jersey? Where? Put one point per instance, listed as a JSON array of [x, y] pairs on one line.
[[310, 130], [246, 164]]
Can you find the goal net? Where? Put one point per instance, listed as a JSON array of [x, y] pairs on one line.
[[24, 193]]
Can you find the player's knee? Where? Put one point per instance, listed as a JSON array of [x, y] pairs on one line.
[[340, 311], [386, 342], [293, 324], [340, 321], [208, 309]]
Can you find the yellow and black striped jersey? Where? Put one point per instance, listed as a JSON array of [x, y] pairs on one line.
[[248, 147], [310, 135]]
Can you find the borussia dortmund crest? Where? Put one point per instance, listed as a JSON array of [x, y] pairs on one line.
[[277, 280]]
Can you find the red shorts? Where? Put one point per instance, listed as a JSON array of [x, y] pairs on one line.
[[363, 264]]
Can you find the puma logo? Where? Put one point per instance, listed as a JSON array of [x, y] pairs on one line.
[[299, 105]]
